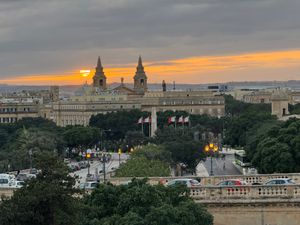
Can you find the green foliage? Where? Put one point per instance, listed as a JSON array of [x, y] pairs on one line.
[[35, 140], [118, 122], [141, 204], [81, 136], [142, 167], [148, 161], [275, 147], [48, 199], [241, 117], [181, 145], [294, 109]]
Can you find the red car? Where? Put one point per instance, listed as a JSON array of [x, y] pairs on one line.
[[232, 182]]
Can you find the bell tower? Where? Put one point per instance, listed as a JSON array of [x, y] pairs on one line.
[[99, 79], [140, 78]]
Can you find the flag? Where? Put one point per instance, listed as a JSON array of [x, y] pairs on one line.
[[147, 120], [140, 120], [180, 120], [186, 119], [172, 119]]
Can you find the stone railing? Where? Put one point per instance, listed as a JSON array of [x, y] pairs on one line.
[[6, 192], [250, 179], [215, 194]]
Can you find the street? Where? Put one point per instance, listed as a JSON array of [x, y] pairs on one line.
[[97, 166], [218, 164]]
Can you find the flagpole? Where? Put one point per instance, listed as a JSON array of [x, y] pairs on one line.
[[149, 128], [143, 127]]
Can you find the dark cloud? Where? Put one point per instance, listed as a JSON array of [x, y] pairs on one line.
[[44, 36]]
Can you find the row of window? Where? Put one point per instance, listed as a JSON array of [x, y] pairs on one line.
[[8, 120], [8, 110], [187, 102]]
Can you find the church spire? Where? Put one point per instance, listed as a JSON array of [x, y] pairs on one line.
[[99, 68], [140, 78], [140, 67], [99, 77]]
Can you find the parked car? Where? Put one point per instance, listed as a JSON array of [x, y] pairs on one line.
[[83, 164], [25, 176], [88, 185], [6, 180], [280, 181], [19, 184], [33, 171], [73, 167], [232, 182], [187, 182], [92, 177]]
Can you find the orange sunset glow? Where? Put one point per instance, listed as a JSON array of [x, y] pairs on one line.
[[278, 65]]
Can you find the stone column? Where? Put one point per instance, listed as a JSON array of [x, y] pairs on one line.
[[153, 121]]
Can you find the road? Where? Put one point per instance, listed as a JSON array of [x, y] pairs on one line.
[[218, 164], [97, 165]]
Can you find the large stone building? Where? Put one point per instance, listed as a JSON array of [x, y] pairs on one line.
[[98, 98], [16, 106]]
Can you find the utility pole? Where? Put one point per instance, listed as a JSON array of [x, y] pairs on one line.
[[103, 163]]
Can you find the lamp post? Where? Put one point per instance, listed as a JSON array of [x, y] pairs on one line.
[[88, 156], [101, 142], [119, 153], [211, 149], [104, 159], [30, 158]]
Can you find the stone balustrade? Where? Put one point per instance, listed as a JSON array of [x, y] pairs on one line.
[[216, 194], [6, 192], [250, 179]]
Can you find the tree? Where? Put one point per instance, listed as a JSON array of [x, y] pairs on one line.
[[118, 122], [148, 161], [76, 136], [181, 145], [139, 203], [35, 140], [275, 147], [48, 199]]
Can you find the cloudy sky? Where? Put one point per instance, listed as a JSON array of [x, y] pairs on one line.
[[190, 41]]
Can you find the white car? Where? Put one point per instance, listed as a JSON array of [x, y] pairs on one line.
[[19, 184], [280, 181], [6, 180], [185, 181], [88, 185]]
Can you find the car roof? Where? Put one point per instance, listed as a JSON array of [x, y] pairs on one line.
[[280, 179], [183, 179]]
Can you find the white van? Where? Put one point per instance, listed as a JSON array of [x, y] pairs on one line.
[[6, 180]]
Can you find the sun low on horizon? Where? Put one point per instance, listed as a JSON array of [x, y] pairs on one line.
[[257, 66]]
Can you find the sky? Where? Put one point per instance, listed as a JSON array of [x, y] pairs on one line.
[[46, 42]]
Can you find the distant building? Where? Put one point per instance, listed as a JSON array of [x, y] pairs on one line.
[[32, 104], [280, 103], [98, 98], [78, 110]]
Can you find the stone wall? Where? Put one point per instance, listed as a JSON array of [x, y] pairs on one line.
[[256, 214]]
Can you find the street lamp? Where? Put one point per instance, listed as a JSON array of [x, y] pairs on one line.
[[211, 149], [88, 156], [119, 153], [101, 142], [30, 158]]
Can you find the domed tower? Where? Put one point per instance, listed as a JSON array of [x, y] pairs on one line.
[[280, 103], [99, 79], [140, 78]]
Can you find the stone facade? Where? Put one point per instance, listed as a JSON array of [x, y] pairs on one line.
[[95, 99], [280, 103], [99, 79]]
